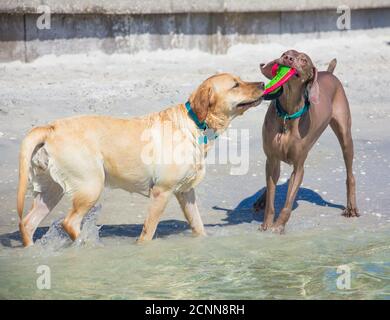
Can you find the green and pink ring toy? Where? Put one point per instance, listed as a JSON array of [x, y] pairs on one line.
[[281, 74]]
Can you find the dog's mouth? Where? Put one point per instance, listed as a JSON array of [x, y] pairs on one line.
[[298, 72], [249, 104]]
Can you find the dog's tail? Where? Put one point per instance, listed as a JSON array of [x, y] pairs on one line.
[[34, 138], [332, 65]]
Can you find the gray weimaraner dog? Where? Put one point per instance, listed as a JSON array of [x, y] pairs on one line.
[[318, 99]]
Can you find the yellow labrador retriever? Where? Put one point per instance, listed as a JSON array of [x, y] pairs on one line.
[[158, 155]]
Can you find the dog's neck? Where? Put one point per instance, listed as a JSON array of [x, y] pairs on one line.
[[293, 97], [218, 122]]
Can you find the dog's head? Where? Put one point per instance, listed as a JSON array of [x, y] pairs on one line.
[[225, 95], [306, 71]]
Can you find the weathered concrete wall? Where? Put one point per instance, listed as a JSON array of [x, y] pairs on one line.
[[85, 26], [182, 6]]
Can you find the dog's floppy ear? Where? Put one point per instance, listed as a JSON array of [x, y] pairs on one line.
[[314, 88], [201, 100], [266, 69]]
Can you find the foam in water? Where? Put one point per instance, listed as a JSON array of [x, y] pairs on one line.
[[56, 238]]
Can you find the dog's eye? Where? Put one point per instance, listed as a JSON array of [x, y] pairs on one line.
[[236, 85]]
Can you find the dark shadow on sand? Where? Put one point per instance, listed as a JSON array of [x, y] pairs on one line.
[[242, 213]]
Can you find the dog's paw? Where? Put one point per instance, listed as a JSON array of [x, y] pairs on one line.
[[351, 212], [279, 229], [201, 233], [264, 227]]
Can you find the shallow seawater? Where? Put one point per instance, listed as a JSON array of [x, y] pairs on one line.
[[233, 262]]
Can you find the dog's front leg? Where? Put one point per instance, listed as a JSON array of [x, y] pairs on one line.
[[293, 187], [272, 171], [187, 201], [159, 198]]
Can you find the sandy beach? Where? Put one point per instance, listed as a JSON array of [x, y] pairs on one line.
[[124, 86]]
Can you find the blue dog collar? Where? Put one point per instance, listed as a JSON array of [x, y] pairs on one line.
[[285, 116], [206, 133]]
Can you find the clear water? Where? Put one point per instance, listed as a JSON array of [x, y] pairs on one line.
[[233, 262]]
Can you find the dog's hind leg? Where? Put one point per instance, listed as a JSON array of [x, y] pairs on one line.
[[187, 201], [83, 200], [47, 194], [43, 204], [341, 125], [159, 199]]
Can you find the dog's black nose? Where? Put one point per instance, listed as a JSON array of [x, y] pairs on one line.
[[261, 85], [287, 59]]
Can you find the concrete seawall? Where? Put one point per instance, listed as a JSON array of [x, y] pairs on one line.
[[128, 27]]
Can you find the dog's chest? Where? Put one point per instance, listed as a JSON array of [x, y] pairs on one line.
[[282, 141], [285, 147], [192, 178]]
